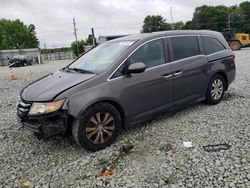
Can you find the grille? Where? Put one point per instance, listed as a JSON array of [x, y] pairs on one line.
[[23, 109]]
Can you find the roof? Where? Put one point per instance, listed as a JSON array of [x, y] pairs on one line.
[[144, 36]]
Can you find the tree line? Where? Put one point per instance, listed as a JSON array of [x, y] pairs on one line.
[[14, 34], [215, 18]]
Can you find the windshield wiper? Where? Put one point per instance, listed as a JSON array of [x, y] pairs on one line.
[[78, 70]]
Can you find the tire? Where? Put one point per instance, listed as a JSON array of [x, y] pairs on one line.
[[235, 45], [216, 89], [101, 117]]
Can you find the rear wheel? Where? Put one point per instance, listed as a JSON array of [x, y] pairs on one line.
[[97, 127], [216, 89], [235, 45]]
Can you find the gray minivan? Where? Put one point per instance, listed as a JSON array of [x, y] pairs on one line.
[[125, 82]]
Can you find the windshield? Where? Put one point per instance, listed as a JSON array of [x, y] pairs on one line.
[[101, 57]]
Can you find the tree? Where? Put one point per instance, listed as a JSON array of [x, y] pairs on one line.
[[89, 40], [155, 23], [210, 17], [14, 35], [188, 25], [244, 10], [80, 44], [178, 25], [236, 20], [217, 18]]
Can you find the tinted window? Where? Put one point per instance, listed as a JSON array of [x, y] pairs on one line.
[[184, 47], [151, 54], [212, 45]]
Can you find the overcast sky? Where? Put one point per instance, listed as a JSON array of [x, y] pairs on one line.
[[53, 18]]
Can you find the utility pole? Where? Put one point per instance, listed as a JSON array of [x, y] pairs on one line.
[[45, 48], [93, 36], [75, 33], [46, 52], [171, 14], [229, 21]]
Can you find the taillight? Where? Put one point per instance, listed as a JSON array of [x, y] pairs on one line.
[[233, 56]]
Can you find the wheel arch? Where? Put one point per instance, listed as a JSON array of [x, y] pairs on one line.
[[222, 73], [114, 103]]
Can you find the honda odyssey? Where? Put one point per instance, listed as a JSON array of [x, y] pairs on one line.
[[127, 81]]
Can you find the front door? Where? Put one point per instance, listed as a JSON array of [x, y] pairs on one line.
[[149, 92]]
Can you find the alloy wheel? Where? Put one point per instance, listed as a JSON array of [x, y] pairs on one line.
[[217, 89], [100, 127]]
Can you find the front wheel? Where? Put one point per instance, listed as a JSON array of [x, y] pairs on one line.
[[97, 127], [215, 90]]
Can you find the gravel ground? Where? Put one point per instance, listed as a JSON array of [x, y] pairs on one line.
[[158, 158]]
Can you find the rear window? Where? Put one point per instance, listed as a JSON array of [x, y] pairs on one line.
[[184, 47], [212, 45]]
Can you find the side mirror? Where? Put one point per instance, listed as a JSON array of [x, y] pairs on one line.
[[136, 68]]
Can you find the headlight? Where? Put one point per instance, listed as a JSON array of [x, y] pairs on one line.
[[44, 108]]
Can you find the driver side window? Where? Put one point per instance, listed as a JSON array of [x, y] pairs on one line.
[[151, 54]]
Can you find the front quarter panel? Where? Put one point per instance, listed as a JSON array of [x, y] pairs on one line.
[[107, 91]]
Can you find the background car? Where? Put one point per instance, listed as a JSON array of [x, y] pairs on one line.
[[20, 61]]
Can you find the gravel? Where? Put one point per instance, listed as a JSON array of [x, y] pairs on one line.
[[158, 158]]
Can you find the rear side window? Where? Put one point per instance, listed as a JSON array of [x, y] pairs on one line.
[[184, 47], [212, 45]]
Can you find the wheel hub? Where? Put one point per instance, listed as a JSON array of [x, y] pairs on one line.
[[100, 127], [217, 89]]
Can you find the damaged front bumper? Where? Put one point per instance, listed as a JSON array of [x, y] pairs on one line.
[[46, 125]]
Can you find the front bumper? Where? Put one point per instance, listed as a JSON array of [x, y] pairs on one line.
[[44, 125]]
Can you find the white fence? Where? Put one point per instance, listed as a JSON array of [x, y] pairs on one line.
[[57, 56]]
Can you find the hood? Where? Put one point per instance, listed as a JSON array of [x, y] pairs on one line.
[[48, 87]]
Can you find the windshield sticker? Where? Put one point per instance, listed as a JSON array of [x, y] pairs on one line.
[[127, 43]]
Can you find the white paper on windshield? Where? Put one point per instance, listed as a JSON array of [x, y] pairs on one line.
[[125, 43]]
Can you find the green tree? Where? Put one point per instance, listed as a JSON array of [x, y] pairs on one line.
[[80, 44], [188, 25], [244, 10], [210, 17], [14, 35], [217, 18], [236, 19], [178, 25], [155, 23], [89, 40]]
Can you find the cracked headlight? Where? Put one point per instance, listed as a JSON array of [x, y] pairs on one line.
[[44, 108]]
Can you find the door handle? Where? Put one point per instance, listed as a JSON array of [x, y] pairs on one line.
[[178, 73], [167, 76]]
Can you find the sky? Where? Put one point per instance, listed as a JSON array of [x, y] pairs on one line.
[[53, 18]]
